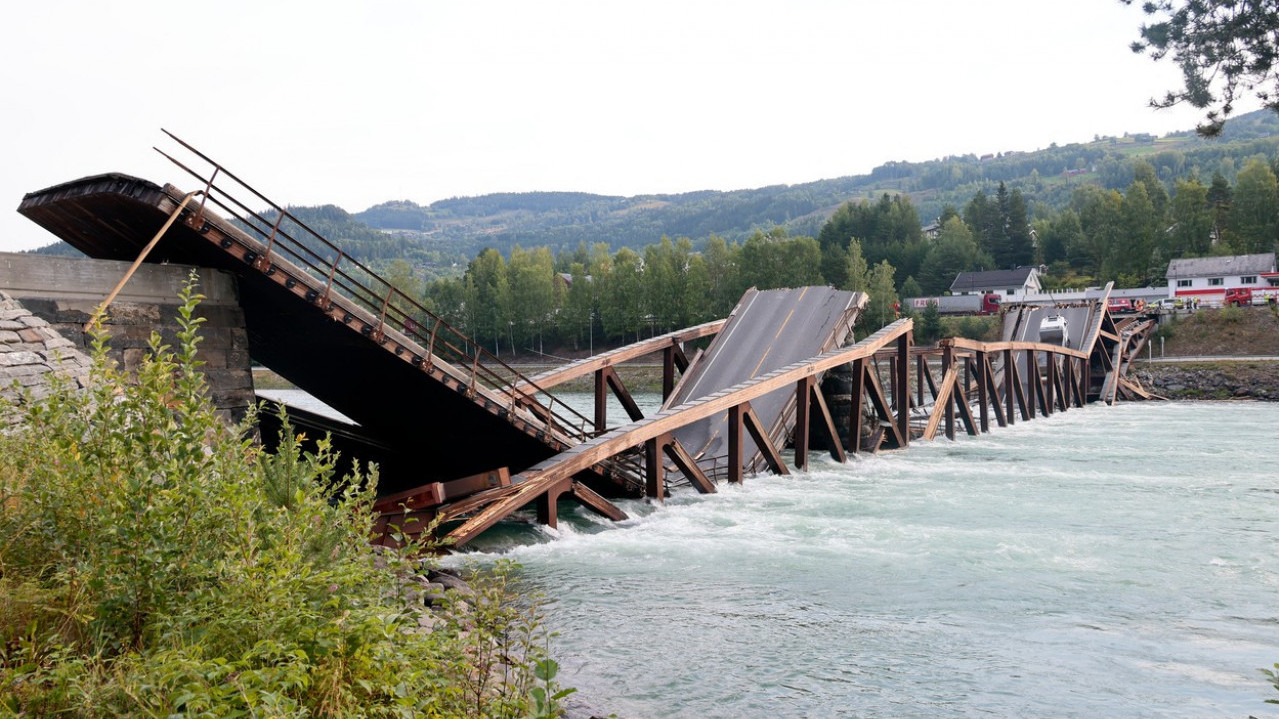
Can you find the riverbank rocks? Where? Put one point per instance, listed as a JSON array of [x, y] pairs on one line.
[[31, 352], [1211, 380]]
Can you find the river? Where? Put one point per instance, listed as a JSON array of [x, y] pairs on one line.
[[1105, 562]]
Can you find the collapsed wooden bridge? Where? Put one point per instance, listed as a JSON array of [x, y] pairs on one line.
[[467, 441]]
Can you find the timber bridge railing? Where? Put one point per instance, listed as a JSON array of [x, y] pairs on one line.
[[321, 272]]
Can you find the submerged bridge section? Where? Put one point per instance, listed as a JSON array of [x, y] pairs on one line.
[[899, 394], [467, 441]]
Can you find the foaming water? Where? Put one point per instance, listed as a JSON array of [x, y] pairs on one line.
[[1115, 562]]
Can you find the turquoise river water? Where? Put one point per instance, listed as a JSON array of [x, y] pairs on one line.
[[1105, 562]]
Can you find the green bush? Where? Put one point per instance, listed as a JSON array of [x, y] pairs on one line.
[[1230, 315], [155, 562]]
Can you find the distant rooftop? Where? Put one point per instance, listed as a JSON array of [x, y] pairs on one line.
[[1220, 266], [991, 279]]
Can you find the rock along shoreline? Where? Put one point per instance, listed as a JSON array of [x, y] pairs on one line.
[[1211, 380]]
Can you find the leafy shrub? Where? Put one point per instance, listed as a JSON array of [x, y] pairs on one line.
[[1230, 315], [154, 561], [977, 328]]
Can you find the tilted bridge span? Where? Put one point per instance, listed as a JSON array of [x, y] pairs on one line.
[[467, 441]]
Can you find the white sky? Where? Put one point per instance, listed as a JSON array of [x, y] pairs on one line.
[[356, 103]]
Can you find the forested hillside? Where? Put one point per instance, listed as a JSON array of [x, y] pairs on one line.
[[1048, 177], [1117, 209], [440, 238], [569, 269]]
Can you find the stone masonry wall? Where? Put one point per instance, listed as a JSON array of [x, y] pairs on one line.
[[30, 350], [64, 292]]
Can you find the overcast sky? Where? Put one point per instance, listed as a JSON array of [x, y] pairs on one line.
[[356, 103]]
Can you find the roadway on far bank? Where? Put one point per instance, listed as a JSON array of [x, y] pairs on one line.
[[1212, 358]]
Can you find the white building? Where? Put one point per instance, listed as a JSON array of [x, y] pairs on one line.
[[1208, 278], [1010, 285]]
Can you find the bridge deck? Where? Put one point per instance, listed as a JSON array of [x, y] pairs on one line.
[[765, 331]]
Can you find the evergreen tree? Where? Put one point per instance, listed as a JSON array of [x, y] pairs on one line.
[[1060, 237], [889, 230], [911, 288], [1254, 213], [1016, 224], [1192, 221], [1131, 251], [1100, 221], [1224, 48], [1220, 198]]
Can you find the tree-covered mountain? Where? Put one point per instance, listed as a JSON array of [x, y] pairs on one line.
[[444, 235], [562, 220]]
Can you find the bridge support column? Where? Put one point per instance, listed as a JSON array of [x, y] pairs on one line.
[[547, 505], [901, 400], [672, 358], [951, 372], [601, 402], [735, 444], [654, 470], [803, 406], [983, 391]]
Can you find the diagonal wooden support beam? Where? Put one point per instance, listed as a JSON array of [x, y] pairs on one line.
[[1079, 378], [759, 433], [882, 408], [623, 395], [826, 425], [941, 404], [1019, 393], [965, 412], [994, 395], [925, 378], [688, 466], [1060, 381], [1037, 398], [594, 502]]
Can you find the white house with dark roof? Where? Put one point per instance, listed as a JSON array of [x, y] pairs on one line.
[[1208, 278], [1010, 285]]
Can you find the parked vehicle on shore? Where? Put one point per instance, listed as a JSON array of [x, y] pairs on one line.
[[1124, 306], [985, 304], [1247, 296]]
